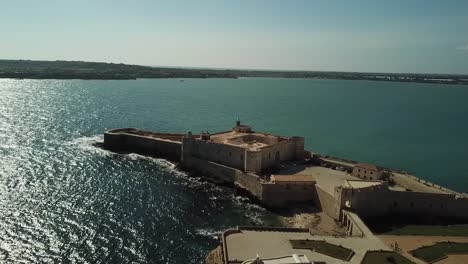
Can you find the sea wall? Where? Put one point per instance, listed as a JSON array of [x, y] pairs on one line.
[[124, 140], [211, 170], [250, 182]]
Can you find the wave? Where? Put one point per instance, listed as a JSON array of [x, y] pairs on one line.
[[208, 232], [91, 144]]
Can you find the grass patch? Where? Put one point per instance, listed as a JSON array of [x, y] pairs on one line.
[[439, 250], [384, 257], [324, 247], [430, 230]]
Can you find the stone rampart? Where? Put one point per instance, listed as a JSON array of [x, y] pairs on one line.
[[278, 195], [212, 170], [374, 202], [250, 182], [328, 203], [129, 141], [282, 151], [228, 155]]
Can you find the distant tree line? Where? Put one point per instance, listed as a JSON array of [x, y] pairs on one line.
[[27, 69]]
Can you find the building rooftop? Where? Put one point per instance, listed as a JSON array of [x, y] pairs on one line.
[[326, 178], [358, 184], [251, 141], [368, 167]]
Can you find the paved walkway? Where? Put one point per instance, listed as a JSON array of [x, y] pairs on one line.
[[408, 243], [270, 244]]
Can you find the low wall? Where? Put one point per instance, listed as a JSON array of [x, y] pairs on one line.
[[143, 145]]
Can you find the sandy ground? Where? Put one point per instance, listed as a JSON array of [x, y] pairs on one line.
[[319, 223]]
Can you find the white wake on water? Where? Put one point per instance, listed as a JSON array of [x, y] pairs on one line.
[[207, 232], [93, 144]]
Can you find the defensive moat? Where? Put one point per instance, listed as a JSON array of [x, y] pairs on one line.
[[279, 173]]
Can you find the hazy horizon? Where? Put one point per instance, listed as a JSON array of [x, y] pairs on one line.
[[362, 36]]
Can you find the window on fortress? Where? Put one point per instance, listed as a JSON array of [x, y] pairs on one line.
[[370, 178], [371, 172], [242, 157]]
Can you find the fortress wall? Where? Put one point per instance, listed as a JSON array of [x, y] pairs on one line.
[[212, 170], [251, 182], [114, 141], [143, 145], [328, 203], [371, 203], [299, 147], [278, 195], [286, 149], [223, 154], [253, 161]]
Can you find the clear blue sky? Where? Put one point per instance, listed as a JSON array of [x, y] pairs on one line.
[[372, 35]]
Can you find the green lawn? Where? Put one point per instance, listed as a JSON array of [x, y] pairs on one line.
[[385, 257], [430, 230], [439, 250], [324, 247]]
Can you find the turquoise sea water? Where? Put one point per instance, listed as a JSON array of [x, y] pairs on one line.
[[64, 200]]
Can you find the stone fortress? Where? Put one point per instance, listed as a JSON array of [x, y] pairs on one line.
[[278, 172]]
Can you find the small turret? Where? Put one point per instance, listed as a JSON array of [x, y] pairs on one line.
[[189, 134], [241, 128], [205, 135]]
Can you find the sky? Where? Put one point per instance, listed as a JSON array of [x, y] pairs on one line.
[[419, 36]]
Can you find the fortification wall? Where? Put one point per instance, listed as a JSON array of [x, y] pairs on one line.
[[278, 195], [231, 156], [212, 170], [285, 149], [253, 161], [328, 203], [250, 182], [378, 202], [143, 145]]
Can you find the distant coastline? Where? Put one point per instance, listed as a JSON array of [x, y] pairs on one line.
[[28, 69]]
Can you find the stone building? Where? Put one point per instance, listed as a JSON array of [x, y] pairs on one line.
[[367, 171], [243, 149]]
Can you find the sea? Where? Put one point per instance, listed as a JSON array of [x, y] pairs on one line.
[[64, 199]]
